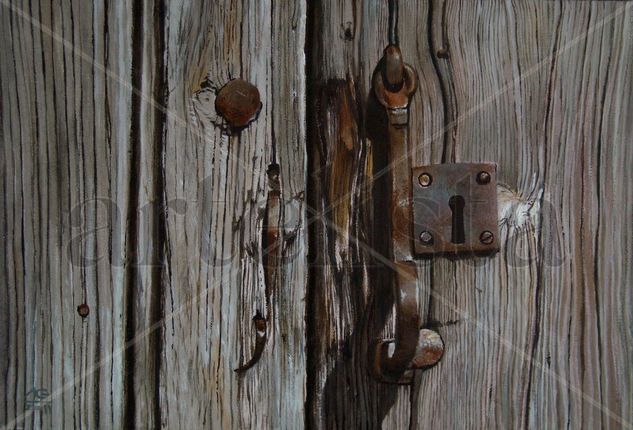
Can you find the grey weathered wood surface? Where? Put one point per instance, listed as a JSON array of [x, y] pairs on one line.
[[120, 188], [540, 335], [213, 259], [66, 167], [153, 216]]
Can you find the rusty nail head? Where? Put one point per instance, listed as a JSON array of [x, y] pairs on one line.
[[238, 102], [426, 238], [425, 179], [486, 237], [442, 52], [83, 310], [483, 178]]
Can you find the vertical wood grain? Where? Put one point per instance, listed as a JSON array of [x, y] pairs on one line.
[[112, 152], [350, 293], [585, 380], [66, 167], [534, 335], [213, 282], [485, 307]]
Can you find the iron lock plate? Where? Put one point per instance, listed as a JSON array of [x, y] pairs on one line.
[[455, 208]]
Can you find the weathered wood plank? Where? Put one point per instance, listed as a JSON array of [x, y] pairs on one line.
[[584, 345], [143, 287], [213, 283], [66, 167], [96, 171], [341, 396], [350, 282], [534, 336], [484, 308]]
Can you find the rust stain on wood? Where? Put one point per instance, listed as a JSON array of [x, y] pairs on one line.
[[339, 143]]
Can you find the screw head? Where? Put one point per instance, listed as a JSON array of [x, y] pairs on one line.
[[426, 238], [83, 310], [483, 178], [425, 179], [486, 237]]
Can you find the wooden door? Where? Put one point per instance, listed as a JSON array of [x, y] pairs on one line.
[[124, 190]]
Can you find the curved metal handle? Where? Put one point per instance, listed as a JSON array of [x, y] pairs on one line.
[[393, 356], [394, 83], [270, 259]]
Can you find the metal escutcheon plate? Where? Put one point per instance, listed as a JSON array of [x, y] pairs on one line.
[[455, 208]]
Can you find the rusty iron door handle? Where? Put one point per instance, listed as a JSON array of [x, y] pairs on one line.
[[394, 83]]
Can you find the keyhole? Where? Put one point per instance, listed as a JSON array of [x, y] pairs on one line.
[[457, 227]]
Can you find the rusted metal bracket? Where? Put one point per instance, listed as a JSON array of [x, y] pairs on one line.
[[271, 257]]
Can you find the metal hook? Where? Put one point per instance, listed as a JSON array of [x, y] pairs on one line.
[[261, 334], [270, 259]]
